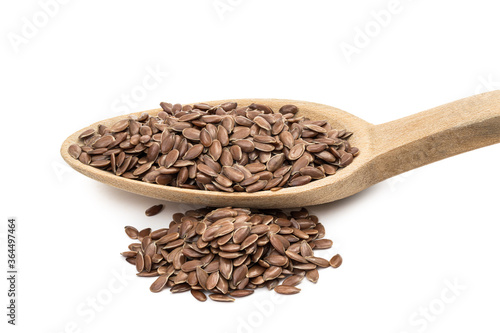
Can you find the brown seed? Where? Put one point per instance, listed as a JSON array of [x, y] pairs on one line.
[[277, 243], [239, 274], [314, 173], [171, 158], [272, 273], [205, 138], [241, 293], [139, 262], [202, 276], [251, 239], [226, 159], [129, 254], [230, 255], [191, 133], [226, 250], [190, 266], [305, 267], [233, 174], [236, 152], [289, 109], [87, 133], [321, 244], [293, 280], [120, 125], [224, 181], [144, 233], [306, 250], [296, 151], [277, 260], [167, 142], [159, 283], [212, 280], [157, 234], [84, 158], [318, 261], [275, 162], [167, 238], [215, 150], [207, 170], [326, 156], [151, 211], [315, 128], [74, 151], [261, 122], [299, 233], [295, 256], [287, 290], [100, 163], [220, 298], [255, 138], [246, 145], [257, 186], [103, 142], [199, 295], [180, 288], [240, 234], [226, 268], [131, 232], [240, 132], [147, 274], [193, 152], [299, 181], [312, 275], [336, 261]]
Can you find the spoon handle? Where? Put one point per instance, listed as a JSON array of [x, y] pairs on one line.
[[411, 142]]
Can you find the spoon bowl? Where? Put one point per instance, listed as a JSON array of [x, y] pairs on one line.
[[385, 151]]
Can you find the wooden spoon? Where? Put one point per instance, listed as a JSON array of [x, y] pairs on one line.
[[386, 150]]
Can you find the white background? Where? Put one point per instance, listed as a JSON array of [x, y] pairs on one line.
[[403, 241]]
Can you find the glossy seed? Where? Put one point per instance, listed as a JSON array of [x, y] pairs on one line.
[[230, 251], [199, 295], [251, 139], [287, 290], [221, 298], [336, 261], [153, 210]]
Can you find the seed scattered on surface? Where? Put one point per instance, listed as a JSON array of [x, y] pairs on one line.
[[241, 293], [221, 298], [228, 252], [336, 261], [131, 232], [199, 295], [312, 275], [153, 210], [223, 147], [287, 290]]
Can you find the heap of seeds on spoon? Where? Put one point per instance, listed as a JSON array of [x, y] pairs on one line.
[[225, 147], [229, 252]]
